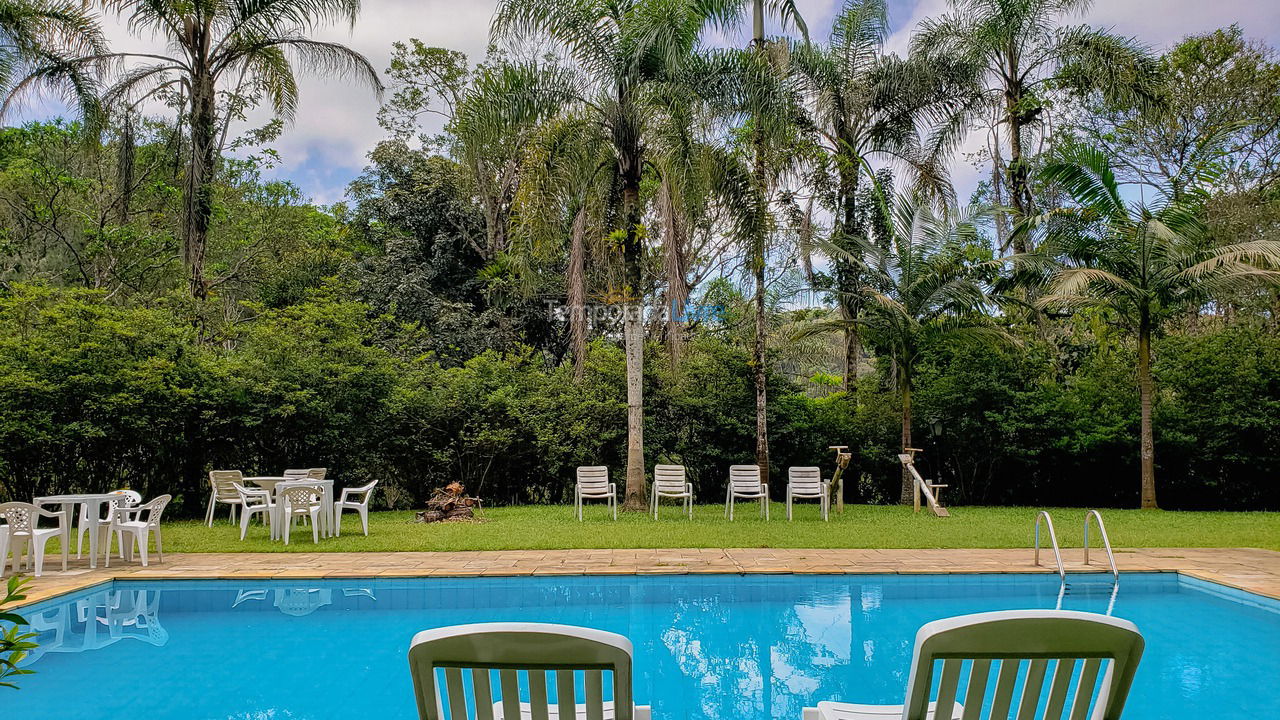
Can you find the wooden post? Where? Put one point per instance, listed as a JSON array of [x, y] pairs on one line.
[[837, 482]]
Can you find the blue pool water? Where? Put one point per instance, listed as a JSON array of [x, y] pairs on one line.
[[707, 646]]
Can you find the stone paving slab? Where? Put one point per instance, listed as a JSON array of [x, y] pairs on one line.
[[1254, 570]]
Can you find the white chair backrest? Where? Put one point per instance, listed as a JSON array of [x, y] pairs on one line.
[[296, 473], [131, 497], [317, 473], [252, 496], [1074, 642], [593, 478], [300, 498], [669, 478], [805, 479], [21, 517], [151, 512], [222, 482], [520, 655], [745, 478]]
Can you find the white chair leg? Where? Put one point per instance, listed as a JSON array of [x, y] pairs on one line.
[[142, 545], [364, 520], [38, 547], [315, 530], [159, 544], [208, 515], [288, 525], [788, 506]]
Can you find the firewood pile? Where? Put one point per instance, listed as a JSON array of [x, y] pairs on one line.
[[449, 504]]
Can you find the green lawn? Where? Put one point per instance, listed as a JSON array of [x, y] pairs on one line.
[[861, 526]]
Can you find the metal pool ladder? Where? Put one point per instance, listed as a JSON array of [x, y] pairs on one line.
[[1043, 515]]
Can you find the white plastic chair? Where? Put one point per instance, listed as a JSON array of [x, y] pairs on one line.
[[300, 501], [139, 523], [296, 474], [669, 482], [1023, 643], [521, 655], [129, 498], [744, 484], [806, 483], [27, 538], [317, 473], [593, 484], [254, 500], [357, 499], [221, 490]]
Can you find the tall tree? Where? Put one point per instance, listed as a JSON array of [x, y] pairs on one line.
[[623, 50], [868, 107], [219, 46], [1018, 51], [1143, 261], [922, 291], [39, 41]]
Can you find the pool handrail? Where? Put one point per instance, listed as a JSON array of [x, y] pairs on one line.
[[1053, 538], [1106, 542]]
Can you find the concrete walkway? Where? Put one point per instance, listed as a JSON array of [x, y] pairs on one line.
[[1254, 570]]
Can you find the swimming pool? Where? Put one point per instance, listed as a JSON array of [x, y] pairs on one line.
[[707, 646]]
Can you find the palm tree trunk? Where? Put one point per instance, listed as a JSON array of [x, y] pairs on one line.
[[199, 187], [908, 482], [577, 291], [758, 260], [1019, 186], [1146, 393], [674, 241], [633, 335], [846, 272]]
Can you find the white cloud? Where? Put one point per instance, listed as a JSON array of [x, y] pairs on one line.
[[336, 124]]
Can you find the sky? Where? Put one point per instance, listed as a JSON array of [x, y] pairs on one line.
[[336, 127]]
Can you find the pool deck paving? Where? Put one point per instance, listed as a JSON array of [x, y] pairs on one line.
[[1250, 569]]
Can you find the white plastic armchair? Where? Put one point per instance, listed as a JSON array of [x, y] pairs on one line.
[[221, 490], [299, 501], [744, 484], [1012, 648], [357, 499], [669, 481], [548, 661], [593, 484], [254, 500], [806, 483], [26, 537], [128, 498], [139, 524]]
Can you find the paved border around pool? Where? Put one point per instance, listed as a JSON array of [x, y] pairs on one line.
[[1253, 570]]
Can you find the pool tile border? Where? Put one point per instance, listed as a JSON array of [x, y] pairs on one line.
[[1251, 570]]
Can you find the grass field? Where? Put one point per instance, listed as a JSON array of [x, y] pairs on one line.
[[861, 526]]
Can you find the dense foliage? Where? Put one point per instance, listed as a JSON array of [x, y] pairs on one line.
[[461, 315]]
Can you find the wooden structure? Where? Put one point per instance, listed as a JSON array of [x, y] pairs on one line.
[[932, 491], [837, 485], [449, 503]]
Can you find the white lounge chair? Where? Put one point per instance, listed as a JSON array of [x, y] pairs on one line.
[[593, 484], [221, 491], [744, 484], [1024, 642], [300, 501], [467, 657], [26, 537], [806, 483], [128, 498], [357, 499], [254, 500], [669, 482], [139, 523]]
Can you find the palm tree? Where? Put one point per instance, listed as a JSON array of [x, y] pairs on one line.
[[1018, 52], [1142, 261], [38, 41], [867, 107], [216, 47], [624, 50], [921, 292]]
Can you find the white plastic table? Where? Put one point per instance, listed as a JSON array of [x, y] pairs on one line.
[[93, 504]]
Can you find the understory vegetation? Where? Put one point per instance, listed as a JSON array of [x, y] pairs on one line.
[[613, 242]]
